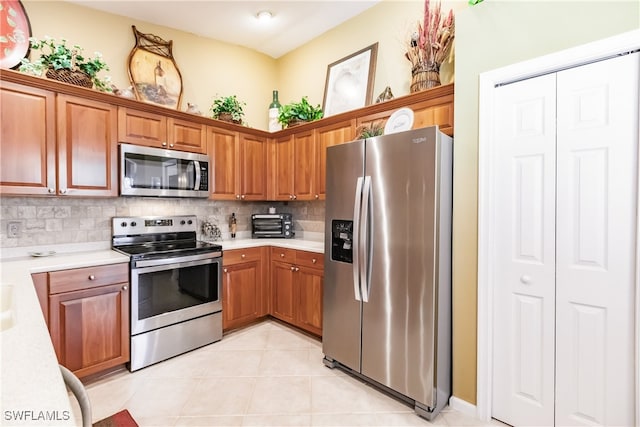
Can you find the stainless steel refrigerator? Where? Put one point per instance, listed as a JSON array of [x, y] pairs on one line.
[[387, 284]]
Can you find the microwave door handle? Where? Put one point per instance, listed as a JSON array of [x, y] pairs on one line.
[[197, 171], [366, 241], [357, 205]]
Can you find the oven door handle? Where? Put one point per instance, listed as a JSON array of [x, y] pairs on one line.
[[175, 260]]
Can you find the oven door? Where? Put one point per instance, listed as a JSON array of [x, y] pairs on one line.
[[172, 290]]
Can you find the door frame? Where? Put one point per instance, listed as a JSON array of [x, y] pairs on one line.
[[591, 52]]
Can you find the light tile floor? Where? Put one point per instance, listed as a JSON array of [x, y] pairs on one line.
[[264, 375]]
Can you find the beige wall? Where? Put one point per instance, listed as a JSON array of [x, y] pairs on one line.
[[208, 67], [488, 36]]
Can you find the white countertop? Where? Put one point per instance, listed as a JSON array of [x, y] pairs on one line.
[[32, 386]]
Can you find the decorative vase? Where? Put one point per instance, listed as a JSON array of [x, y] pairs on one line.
[[78, 78], [425, 76]]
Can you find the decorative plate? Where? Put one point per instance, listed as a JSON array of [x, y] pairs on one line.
[[399, 121], [43, 253], [15, 31]]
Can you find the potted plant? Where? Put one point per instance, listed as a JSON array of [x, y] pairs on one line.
[[370, 130], [299, 112], [228, 109], [59, 62]]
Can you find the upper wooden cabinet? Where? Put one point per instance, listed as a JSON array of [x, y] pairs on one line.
[[326, 136], [87, 147], [238, 168], [156, 130], [293, 167], [27, 140]]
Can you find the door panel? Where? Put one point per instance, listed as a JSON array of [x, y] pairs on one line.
[[523, 343], [597, 173], [341, 318], [398, 319]]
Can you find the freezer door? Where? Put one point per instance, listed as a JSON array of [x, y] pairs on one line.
[[341, 306], [398, 319]]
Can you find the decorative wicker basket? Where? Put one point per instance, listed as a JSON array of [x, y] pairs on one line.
[[78, 78], [425, 77]]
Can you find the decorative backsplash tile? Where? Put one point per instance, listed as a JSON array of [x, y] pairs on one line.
[[59, 220]]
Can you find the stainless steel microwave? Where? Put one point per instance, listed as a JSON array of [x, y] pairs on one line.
[[156, 172]]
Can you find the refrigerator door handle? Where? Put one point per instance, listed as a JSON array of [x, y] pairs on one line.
[[357, 207], [366, 242]]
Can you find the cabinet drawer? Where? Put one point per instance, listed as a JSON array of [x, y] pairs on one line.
[[283, 254], [238, 256], [310, 259], [89, 277]]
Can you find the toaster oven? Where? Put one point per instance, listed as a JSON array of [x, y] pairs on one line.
[[278, 225]]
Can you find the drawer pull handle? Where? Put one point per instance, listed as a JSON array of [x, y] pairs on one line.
[[124, 288], [243, 256], [297, 269], [281, 255], [293, 269], [314, 260], [92, 277], [225, 270]]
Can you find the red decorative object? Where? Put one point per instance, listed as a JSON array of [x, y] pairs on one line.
[[119, 419], [15, 31]]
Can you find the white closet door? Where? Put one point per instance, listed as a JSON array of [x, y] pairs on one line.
[[596, 212], [524, 215]]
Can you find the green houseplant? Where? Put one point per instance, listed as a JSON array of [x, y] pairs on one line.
[[228, 108], [60, 62], [296, 112]]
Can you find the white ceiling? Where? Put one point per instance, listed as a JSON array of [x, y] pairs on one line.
[[294, 22]]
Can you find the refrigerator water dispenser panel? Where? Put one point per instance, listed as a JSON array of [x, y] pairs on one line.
[[341, 240]]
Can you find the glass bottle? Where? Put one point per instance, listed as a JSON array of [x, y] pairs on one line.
[[274, 111], [233, 225]]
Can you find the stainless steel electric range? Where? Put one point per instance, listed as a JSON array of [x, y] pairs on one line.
[[176, 286]]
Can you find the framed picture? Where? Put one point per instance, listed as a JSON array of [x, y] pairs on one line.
[[349, 83], [153, 72]]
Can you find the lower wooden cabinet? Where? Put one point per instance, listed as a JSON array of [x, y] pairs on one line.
[[88, 316], [244, 286], [296, 288]]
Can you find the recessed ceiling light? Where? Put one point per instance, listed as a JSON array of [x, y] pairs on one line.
[[264, 16]]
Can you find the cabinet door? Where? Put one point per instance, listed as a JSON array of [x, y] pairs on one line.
[[241, 294], [309, 299], [282, 169], [87, 147], [282, 276], [304, 158], [327, 136], [223, 147], [253, 155], [28, 140], [90, 328], [142, 128], [186, 136]]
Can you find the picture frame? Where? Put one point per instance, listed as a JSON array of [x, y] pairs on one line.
[[349, 82], [153, 72]]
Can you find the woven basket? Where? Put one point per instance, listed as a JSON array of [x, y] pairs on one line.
[[227, 117], [65, 75], [425, 77]]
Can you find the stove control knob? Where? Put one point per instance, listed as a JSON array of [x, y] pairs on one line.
[[133, 224], [189, 222], [182, 222], [123, 224]]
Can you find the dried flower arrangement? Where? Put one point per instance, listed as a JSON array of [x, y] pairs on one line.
[[429, 46]]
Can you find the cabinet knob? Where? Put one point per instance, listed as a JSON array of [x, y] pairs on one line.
[[242, 197], [63, 191], [92, 277], [297, 269], [51, 190], [125, 287], [525, 279], [282, 255], [314, 260], [290, 196], [293, 268], [317, 196], [164, 144], [170, 145], [243, 256], [295, 197], [225, 270], [237, 196]]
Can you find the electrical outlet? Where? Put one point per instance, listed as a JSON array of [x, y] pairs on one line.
[[13, 229]]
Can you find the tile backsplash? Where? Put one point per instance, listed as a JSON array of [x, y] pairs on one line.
[[60, 220]]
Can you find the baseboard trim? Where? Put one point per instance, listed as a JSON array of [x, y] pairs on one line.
[[463, 407]]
